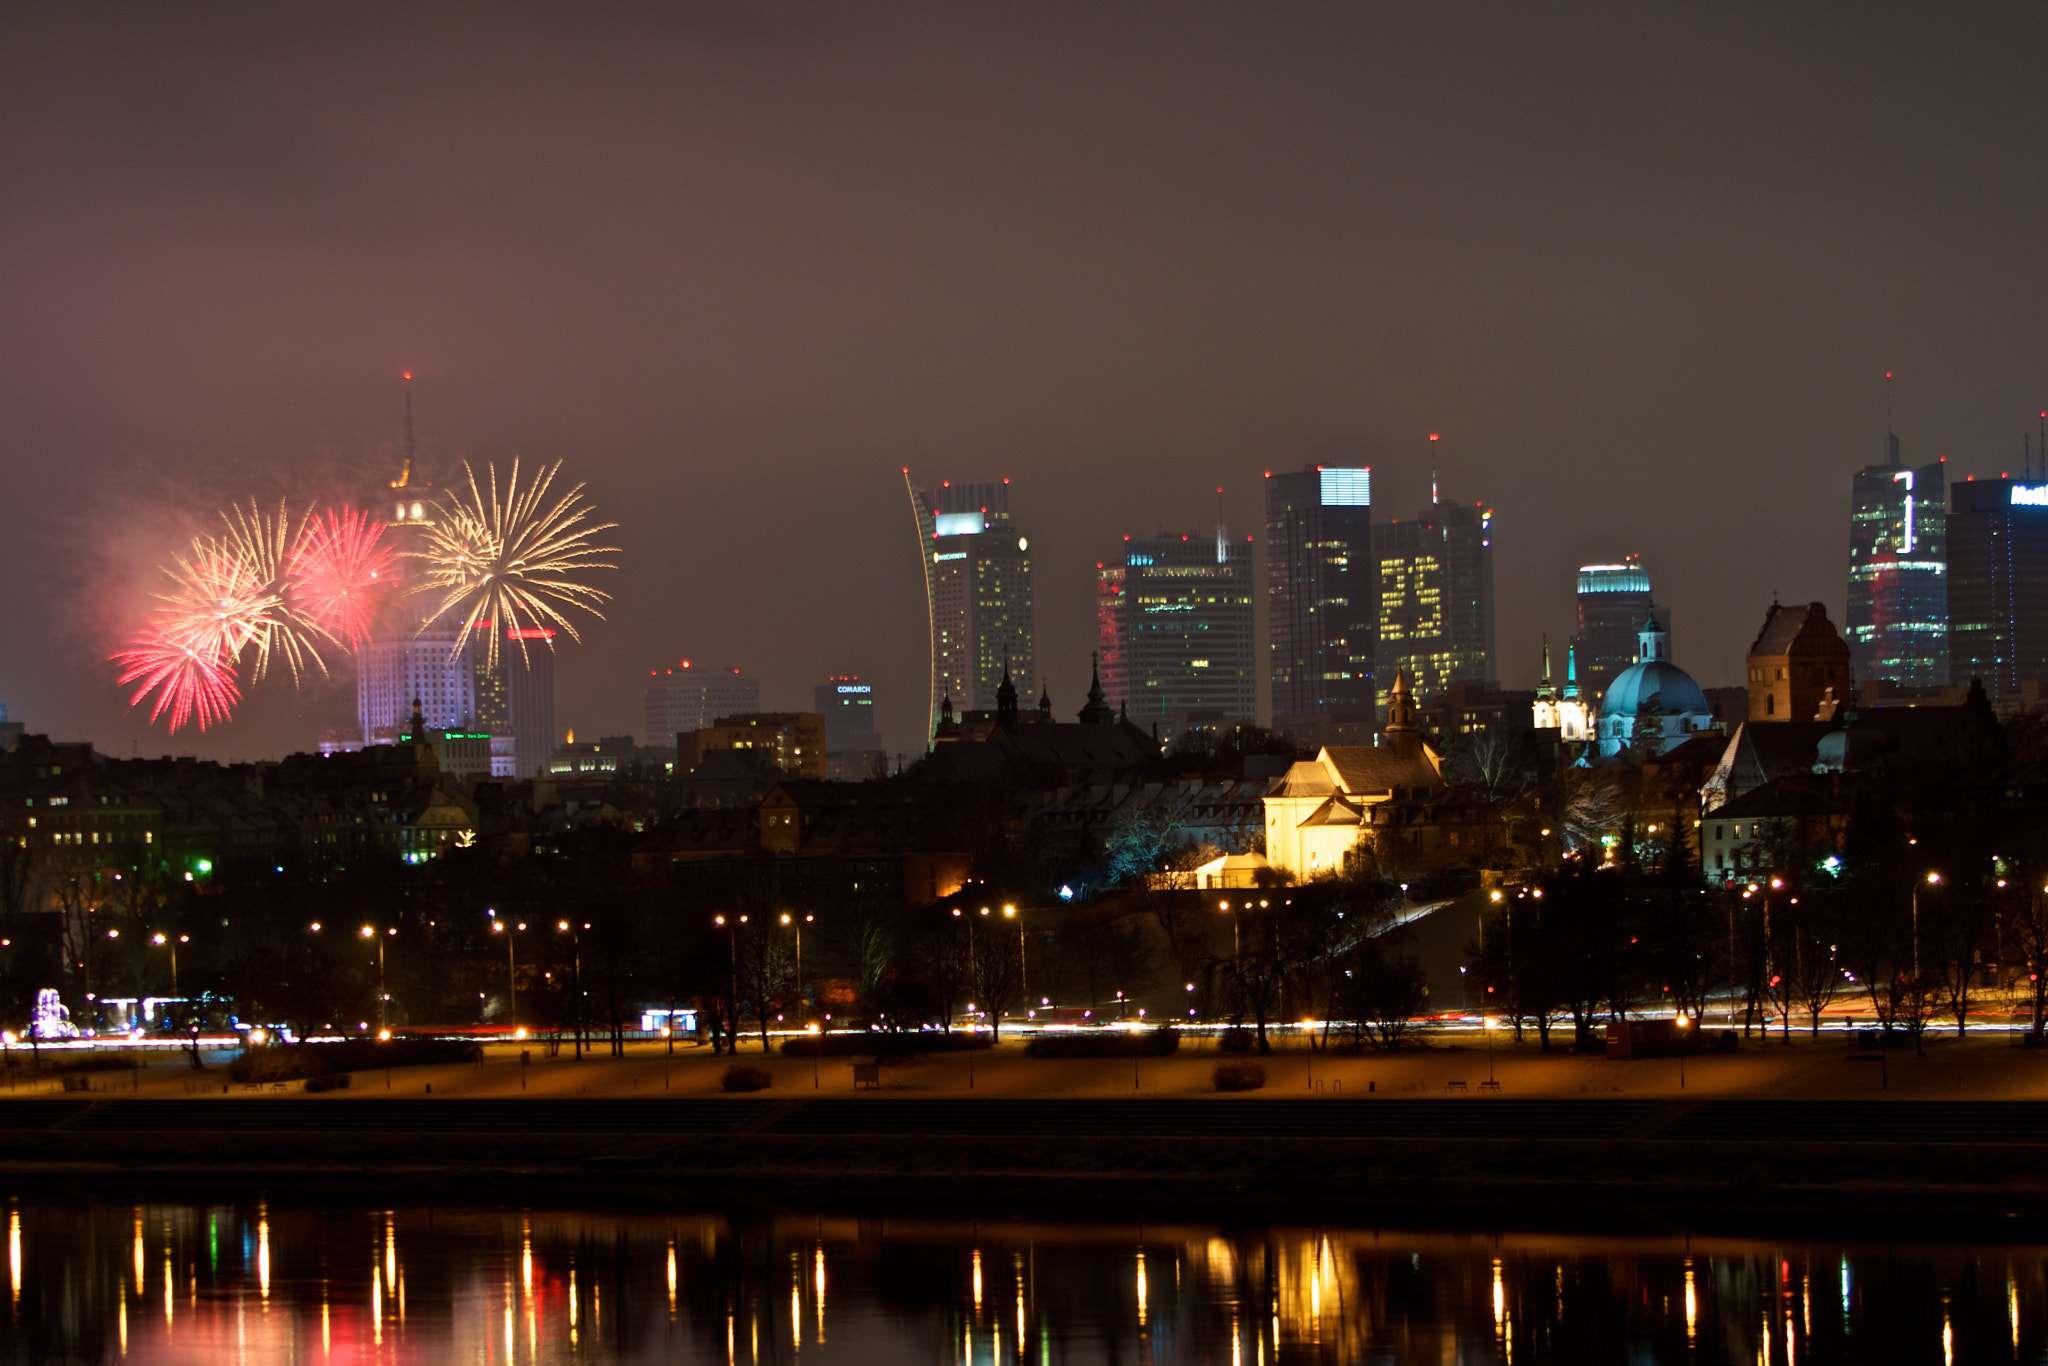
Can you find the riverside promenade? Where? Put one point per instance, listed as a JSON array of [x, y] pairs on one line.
[[1960, 1132]]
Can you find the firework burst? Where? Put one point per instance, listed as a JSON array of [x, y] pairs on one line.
[[191, 681], [343, 573], [503, 560], [268, 551]]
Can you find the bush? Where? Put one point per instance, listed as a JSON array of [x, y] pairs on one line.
[[1105, 1043], [1239, 1076], [296, 1061], [745, 1079], [881, 1042], [1726, 1042], [333, 1081]]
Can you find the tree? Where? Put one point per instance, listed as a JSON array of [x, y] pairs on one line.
[[1381, 990]]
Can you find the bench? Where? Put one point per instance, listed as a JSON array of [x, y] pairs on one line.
[[1456, 1086], [867, 1074], [1489, 1085]]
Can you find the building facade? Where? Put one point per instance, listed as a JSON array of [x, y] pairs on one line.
[[1614, 601], [1322, 597], [1998, 584], [1898, 573], [977, 577], [690, 697], [1654, 706], [1436, 597], [793, 742], [1798, 666], [1179, 630], [853, 747]]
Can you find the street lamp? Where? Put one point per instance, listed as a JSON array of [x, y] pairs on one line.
[[1933, 879], [798, 927], [1683, 1023], [1023, 979], [511, 975], [576, 981], [383, 997]]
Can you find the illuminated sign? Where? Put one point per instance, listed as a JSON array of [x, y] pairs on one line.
[[529, 633], [952, 555], [1347, 488], [2036, 496], [959, 524], [855, 688]]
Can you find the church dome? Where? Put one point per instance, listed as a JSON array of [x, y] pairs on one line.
[[1653, 680], [1670, 687]]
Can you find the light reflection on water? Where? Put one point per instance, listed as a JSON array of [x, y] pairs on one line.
[[179, 1283]]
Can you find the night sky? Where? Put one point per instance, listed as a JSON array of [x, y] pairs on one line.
[[1643, 268]]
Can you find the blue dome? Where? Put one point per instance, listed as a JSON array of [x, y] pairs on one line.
[[1669, 687]]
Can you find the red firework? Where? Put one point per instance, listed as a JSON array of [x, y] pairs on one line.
[[343, 573], [192, 682]]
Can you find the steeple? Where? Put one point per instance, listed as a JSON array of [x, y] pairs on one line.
[[1653, 646], [416, 728], [1006, 697], [1045, 704], [1097, 712], [948, 728], [1571, 672], [1546, 689]]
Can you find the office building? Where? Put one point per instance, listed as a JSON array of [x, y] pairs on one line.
[[977, 580], [690, 697], [1436, 597], [1178, 628], [853, 747], [1322, 598], [793, 742], [1997, 553], [1898, 573], [1614, 602]]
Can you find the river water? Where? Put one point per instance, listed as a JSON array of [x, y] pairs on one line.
[[97, 1281]]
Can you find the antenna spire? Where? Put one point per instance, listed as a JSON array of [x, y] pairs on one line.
[[404, 479], [1891, 438]]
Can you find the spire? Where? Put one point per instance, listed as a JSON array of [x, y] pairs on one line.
[[1006, 697], [947, 729], [1045, 704], [1403, 737], [416, 728], [1571, 671], [404, 479], [1097, 712], [1546, 689]]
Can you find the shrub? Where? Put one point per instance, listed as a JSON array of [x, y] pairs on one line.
[[1105, 1043], [745, 1079], [333, 1081], [1726, 1042], [1237, 1040], [1239, 1076]]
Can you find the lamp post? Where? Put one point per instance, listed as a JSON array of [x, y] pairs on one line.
[[1023, 980], [798, 926], [1933, 879], [575, 934], [1489, 1051], [511, 975], [383, 997], [1683, 1023]]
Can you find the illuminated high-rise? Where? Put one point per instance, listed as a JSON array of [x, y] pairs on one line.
[[977, 580], [1998, 583], [1436, 596], [1898, 573], [1614, 602], [1322, 597], [1178, 630]]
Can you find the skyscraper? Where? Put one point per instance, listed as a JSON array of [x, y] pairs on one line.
[[516, 703], [1179, 628], [688, 697], [977, 581], [853, 747], [1898, 573], [1614, 602], [1998, 583], [1322, 596], [1436, 597]]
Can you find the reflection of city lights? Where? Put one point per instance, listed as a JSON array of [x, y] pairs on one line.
[[1692, 1307], [1141, 1290], [977, 1282]]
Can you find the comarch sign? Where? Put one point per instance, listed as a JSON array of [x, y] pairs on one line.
[[2025, 496]]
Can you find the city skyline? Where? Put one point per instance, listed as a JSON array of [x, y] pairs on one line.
[[1229, 245]]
